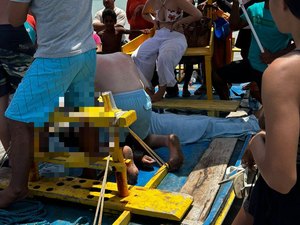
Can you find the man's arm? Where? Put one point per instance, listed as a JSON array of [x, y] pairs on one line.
[[17, 12], [268, 57], [235, 21]]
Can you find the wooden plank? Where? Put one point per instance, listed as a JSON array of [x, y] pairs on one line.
[[203, 181], [195, 104]]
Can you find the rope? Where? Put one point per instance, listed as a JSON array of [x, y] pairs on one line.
[[25, 211], [147, 148], [101, 197]]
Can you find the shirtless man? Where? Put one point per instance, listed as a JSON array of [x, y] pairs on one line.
[[111, 36], [117, 73]]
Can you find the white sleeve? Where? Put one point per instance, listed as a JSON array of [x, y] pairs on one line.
[[121, 18]]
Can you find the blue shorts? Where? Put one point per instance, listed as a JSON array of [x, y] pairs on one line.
[[139, 101], [46, 80]]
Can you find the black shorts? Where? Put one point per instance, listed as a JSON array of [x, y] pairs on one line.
[[240, 72], [269, 207]]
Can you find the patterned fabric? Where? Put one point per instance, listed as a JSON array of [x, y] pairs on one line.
[[13, 66], [48, 79]]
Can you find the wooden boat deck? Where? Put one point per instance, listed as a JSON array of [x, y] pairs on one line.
[[207, 163], [196, 104]]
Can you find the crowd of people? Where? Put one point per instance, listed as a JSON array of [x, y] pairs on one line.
[[48, 53]]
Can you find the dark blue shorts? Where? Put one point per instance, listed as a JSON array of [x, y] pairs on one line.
[[13, 66]]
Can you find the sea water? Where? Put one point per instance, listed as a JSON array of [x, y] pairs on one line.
[[98, 4]]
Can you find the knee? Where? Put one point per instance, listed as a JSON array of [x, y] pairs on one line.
[[164, 60], [19, 129]]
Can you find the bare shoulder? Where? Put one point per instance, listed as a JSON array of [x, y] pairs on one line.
[[284, 67], [283, 75]]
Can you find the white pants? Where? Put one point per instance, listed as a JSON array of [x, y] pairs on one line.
[[165, 49]]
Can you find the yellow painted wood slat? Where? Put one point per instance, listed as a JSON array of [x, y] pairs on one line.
[[123, 219], [220, 219], [141, 200], [96, 116]]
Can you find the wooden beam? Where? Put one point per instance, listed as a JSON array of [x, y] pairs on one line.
[[202, 182]]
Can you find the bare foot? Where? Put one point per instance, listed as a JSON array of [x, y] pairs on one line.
[[9, 196], [132, 170], [176, 156]]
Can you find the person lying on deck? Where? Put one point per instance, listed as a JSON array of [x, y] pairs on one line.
[[122, 77], [117, 73]]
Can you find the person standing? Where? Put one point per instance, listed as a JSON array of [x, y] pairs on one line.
[[274, 42], [64, 65], [275, 198], [111, 36], [16, 54], [98, 23]]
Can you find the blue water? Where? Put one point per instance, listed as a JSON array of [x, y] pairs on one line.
[[98, 4]]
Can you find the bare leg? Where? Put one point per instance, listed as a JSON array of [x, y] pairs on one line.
[[220, 86], [21, 157], [132, 170], [159, 94], [243, 218], [172, 142], [4, 132]]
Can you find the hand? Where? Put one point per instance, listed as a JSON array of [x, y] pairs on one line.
[[147, 160], [267, 57], [247, 159], [176, 26], [145, 31]]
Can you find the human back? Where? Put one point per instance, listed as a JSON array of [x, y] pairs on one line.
[[116, 73]]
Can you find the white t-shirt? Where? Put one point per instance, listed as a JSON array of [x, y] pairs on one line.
[[121, 16]]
